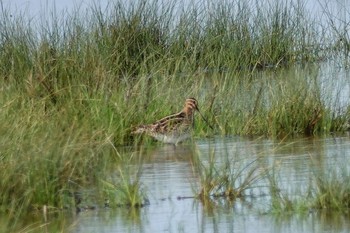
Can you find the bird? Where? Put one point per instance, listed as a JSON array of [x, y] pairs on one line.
[[174, 128]]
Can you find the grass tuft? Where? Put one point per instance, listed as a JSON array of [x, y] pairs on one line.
[[125, 188], [72, 88], [230, 180], [332, 191]]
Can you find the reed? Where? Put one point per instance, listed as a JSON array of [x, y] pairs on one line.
[[281, 201], [284, 104], [327, 190], [73, 88], [229, 179], [123, 187], [331, 191]]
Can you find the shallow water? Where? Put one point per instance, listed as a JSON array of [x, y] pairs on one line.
[[169, 174], [170, 182]]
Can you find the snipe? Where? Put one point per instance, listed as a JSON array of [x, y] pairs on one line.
[[174, 128]]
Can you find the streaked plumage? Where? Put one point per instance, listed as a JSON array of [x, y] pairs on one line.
[[174, 128]]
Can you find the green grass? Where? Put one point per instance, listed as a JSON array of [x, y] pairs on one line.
[[332, 191], [230, 179], [123, 187], [72, 91], [328, 190], [281, 201]]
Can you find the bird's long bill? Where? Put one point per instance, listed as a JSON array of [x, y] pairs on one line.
[[205, 119]]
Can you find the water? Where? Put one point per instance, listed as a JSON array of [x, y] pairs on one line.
[[168, 177], [41, 11], [169, 174], [171, 182]]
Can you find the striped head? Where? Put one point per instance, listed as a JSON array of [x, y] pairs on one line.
[[191, 105]]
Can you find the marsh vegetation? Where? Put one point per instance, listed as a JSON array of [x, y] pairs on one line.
[[72, 89]]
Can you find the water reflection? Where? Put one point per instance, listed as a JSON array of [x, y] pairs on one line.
[[168, 174]]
